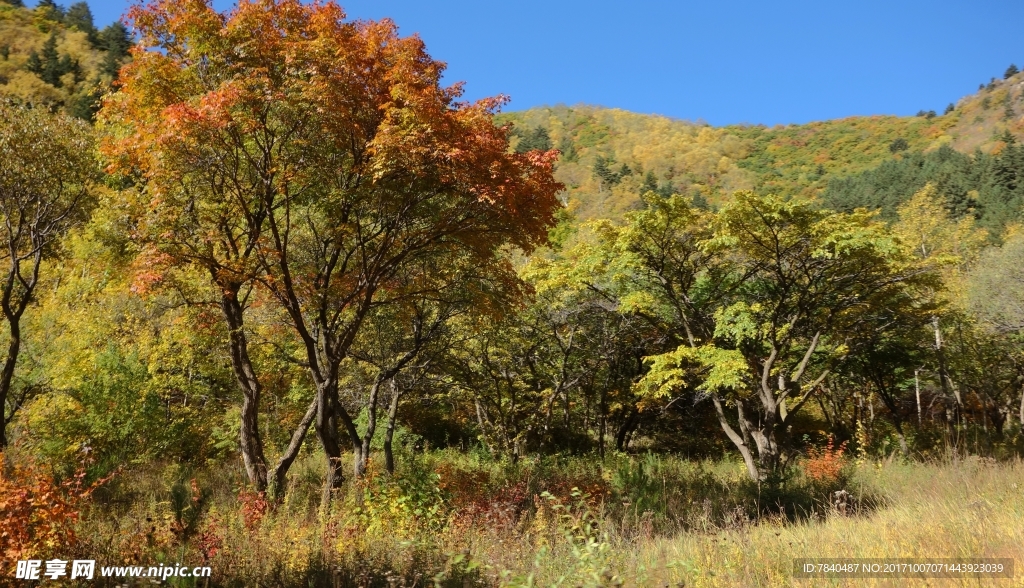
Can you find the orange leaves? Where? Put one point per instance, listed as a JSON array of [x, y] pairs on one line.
[[37, 513], [243, 123], [825, 465]]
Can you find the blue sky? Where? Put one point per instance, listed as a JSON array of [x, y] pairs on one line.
[[724, 61]]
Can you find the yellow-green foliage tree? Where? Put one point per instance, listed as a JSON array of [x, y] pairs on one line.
[[47, 169], [799, 284]]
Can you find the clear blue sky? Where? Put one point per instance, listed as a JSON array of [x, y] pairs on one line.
[[725, 61]]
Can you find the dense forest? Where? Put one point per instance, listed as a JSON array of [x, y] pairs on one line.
[[281, 304]]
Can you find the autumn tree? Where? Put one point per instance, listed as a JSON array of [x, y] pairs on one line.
[[321, 157], [46, 169], [210, 130]]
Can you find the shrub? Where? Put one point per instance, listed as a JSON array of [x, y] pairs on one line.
[[38, 514]]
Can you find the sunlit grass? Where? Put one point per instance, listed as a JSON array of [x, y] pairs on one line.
[[458, 520]]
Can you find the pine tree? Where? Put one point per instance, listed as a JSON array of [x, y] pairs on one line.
[[650, 183], [34, 64], [535, 140], [949, 108], [50, 70], [79, 16], [111, 65], [568, 149], [1010, 72], [900, 144], [51, 10], [116, 38], [604, 172]]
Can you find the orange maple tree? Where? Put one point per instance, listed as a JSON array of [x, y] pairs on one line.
[[283, 145]]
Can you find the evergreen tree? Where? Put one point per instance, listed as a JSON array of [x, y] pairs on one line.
[[990, 188], [699, 201], [949, 108], [34, 64], [51, 10], [568, 149], [650, 183], [79, 16], [116, 38], [1010, 72], [900, 144], [604, 172], [84, 105], [51, 64], [535, 140], [15, 3], [667, 190]]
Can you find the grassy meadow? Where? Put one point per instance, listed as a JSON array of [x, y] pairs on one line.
[[452, 519]]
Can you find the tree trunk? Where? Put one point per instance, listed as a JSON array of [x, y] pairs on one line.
[[362, 457], [904, 449], [278, 474], [627, 428], [389, 433], [7, 376], [1022, 408], [326, 426], [736, 438], [250, 442]]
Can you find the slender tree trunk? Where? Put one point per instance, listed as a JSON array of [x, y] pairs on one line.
[[736, 438], [630, 424], [250, 442], [389, 433], [1022, 408], [917, 392], [279, 473], [326, 426], [362, 457], [7, 376]]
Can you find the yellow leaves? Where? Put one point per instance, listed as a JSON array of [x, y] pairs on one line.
[[707, 368], [927, 231]]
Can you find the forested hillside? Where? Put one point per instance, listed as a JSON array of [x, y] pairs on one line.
[[58, 57], [610, 157]]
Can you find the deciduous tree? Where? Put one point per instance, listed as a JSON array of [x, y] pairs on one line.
[[47, 167]]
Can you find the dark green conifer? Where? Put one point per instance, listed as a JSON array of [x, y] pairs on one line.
[[568, 149]]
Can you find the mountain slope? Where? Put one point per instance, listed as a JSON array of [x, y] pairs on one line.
[[57, 58], [610, 156]]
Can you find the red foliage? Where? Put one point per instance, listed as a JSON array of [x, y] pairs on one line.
[[37, 513], [825, 464], [477, 503], [209, 542], [254, 507]]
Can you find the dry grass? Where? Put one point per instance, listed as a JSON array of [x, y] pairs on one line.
[[457, 520]]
